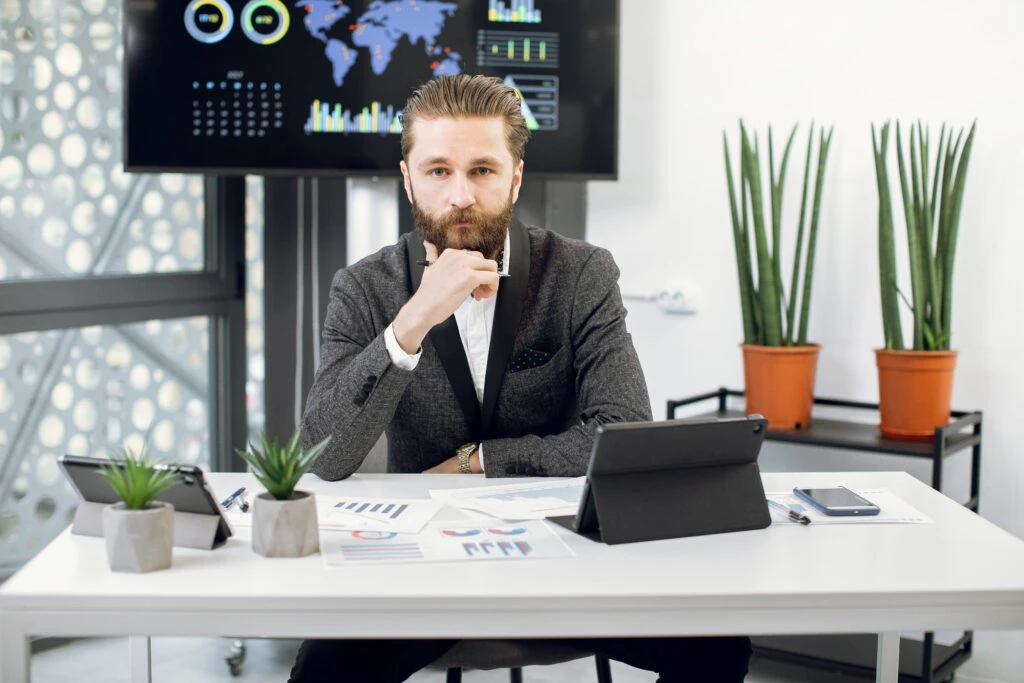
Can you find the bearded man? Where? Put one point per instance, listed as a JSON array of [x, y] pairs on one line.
[[479, 345]]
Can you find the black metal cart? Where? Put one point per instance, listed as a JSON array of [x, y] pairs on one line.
[[920, 661]]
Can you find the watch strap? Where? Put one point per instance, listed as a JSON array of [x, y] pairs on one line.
[[463, 454]]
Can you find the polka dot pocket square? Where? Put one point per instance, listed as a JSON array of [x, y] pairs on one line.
[[530, 358]]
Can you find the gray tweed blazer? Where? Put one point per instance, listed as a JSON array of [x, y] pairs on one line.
[[561, 362]]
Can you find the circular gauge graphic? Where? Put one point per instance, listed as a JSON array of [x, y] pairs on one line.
[[208, 21], [265, 22], [374, 535]]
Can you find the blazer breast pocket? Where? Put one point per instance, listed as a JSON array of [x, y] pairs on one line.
[[529, 359]]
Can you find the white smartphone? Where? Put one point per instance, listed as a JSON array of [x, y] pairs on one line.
[[836, 500]]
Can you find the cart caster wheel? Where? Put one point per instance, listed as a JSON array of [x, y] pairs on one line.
[[236, 657]]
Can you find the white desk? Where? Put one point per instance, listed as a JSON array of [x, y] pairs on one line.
[[959, 573]]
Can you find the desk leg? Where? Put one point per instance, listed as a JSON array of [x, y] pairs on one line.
[[140, 659], [14, 652], [887, 666]]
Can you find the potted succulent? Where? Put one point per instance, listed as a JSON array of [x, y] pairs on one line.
[[139, 531], [284, 520], [916, 384], [779, 365]]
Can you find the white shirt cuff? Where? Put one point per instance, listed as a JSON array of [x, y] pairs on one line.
[[399, 357], [480, 454]]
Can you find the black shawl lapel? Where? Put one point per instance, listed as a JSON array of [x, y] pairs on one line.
[[507, 314], [446, 340]]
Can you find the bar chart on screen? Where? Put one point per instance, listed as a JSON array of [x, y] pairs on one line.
[[513, 12], [325, 117], [517, 48], [539, 95]]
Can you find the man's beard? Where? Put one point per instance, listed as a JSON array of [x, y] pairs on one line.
[[487, 234]]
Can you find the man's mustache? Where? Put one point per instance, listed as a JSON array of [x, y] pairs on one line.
[[459, 216]]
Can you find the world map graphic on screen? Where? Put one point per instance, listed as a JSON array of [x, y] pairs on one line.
[[377, 31]]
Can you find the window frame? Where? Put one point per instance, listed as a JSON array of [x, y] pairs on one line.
[[217, 292]]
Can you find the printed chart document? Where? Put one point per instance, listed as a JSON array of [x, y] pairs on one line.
[[473, 541], [403, 515], [529, 500], [894, 510]]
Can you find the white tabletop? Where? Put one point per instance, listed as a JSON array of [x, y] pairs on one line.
[[958, 572]]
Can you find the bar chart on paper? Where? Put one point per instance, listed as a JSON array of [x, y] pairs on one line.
[[385, 509], [505, 548], [375, 514], [450, 541]]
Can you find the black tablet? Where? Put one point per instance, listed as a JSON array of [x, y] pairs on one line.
[[191, 494], [653, 480]]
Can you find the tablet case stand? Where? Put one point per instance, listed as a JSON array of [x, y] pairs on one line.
[[191, 530], [652, 481]]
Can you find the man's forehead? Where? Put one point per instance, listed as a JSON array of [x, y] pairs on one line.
[[475, 137]]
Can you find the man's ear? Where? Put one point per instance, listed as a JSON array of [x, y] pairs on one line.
[[406, 179], [517, 181]]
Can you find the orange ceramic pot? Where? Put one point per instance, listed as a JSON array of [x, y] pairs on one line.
[[914, 392], [779, 383]]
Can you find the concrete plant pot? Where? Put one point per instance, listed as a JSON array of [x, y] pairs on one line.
[[139, 540], [285, 528]]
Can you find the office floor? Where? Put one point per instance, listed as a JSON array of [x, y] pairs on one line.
[[201, 660]]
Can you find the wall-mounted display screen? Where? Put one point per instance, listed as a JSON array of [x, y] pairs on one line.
[[316, 86]]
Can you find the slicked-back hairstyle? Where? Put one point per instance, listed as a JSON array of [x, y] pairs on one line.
[[465, 96]]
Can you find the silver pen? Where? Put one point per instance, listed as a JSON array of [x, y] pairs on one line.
[[793, 515]]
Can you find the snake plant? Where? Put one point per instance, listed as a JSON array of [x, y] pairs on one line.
[[932, 220], [278, 467], [769, 315]]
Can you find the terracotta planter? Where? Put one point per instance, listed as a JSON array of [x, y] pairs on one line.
[[139, 540], [914, 392], [285, 528], [779, 383]]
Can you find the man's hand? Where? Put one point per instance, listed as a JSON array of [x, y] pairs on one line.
[[451, 465], [451, 277]]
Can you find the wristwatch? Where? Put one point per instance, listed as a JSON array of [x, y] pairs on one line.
[[463, 452]]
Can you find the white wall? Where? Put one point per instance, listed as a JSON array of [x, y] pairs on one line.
[[697, 66]]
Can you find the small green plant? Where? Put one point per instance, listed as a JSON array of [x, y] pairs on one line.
[[137, 480], [278, 467], [769, 317], [933, 221]]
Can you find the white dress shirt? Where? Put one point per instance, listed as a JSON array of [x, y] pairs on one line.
[[475, 320]]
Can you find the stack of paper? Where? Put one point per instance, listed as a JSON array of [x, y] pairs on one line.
[[893, 510], [375, 514], [444, 542], [530, 500]]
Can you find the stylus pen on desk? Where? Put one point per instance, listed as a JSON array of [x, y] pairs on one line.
[[427, 263], [790, 512]]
